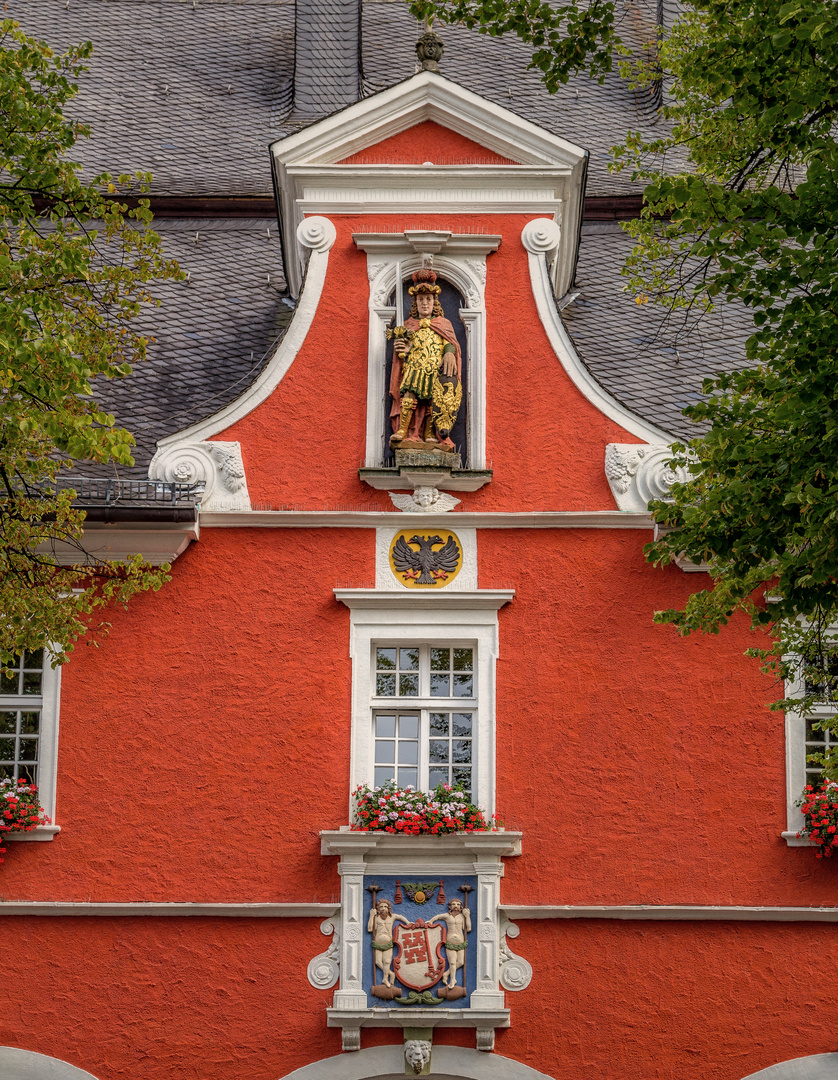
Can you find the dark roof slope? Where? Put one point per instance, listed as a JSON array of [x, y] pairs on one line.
[[654, 366], [192, 93], [213, 332]]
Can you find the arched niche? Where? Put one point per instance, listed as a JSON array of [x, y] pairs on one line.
[[817, 1067], [16, 1064], [387, 1063]]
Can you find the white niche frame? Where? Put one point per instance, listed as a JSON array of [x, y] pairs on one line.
[[462, 262]]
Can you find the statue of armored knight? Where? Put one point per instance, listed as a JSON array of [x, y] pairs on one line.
[[425, 383]]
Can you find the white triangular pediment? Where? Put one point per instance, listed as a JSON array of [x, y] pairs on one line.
[[542, 174]]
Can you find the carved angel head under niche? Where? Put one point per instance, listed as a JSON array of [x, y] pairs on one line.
[[424, 500]]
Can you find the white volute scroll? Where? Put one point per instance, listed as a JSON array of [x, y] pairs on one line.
[[515, 971], [218, 465], [638, 474], [324, 969], [542, 238]]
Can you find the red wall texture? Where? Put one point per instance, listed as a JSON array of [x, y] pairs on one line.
[[205, 743]]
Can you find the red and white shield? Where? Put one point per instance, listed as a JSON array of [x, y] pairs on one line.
[[418, 960]]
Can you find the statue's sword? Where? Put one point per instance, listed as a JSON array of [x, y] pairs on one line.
[[399, 296]]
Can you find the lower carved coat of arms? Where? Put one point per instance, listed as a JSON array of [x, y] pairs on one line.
[[423, 960]]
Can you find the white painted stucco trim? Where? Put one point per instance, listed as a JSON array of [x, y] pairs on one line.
[[145, 908], [816, 1067], [671, 912], [17, 1064], [541, 238], [379, 519], [317, 235], [447, 1063]]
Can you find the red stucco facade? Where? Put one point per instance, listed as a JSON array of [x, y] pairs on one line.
[[205, 740]]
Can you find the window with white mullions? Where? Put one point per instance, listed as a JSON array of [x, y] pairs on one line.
[[432, 742], [21, 702]]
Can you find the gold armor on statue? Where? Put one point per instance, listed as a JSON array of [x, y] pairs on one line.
[[425, 384]]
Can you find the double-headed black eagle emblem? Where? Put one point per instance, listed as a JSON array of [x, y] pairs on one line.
[[426, 566]]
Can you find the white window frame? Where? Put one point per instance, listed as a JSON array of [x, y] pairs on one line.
[[445, 623], [796, 754], [49, 699]]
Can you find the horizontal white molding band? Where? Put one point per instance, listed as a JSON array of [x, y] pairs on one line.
[[657, 912], [214, 911], [673, 913], [380, 519]]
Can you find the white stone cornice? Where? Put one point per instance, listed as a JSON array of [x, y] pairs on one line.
[[495, 843], [316, 236], [147, 908], [377, 519], [541, 239], [671, 912], [418, 241], [466, 600]]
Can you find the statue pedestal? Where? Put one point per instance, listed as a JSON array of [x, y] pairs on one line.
[[429, 472]]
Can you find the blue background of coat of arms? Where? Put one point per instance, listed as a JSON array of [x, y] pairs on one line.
[[416, 945]]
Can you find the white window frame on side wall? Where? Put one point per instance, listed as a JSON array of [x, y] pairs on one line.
[[48, 702], [796, 755], [463, 619]]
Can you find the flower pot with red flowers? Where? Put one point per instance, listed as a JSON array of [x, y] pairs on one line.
[[820, 811], [403, 811], [20, 809]]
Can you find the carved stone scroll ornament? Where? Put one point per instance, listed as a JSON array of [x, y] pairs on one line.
[[424, 500], [218, 464], [515, 972], [637, 474], [324, 969], [417, 1054]]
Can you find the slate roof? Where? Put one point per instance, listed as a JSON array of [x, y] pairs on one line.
[[196, 90], [213, 332], [653, 366]]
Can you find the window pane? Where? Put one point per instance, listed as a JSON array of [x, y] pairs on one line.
[[28, 772], [811, 734], [409, 727], [7, 749], [29, 723], [437, 776], [461, 751], [438, 750], [408, 778], [9, 683], [408, 686], [34, 660], [439, 723], [31, 682], [383, 774], [8, 723], [463, 777], [385, 685], [408, 753], [28, 750], [463, 685], [385, 659], [463, 659], [7, 772], [408, 659], [385, 752], [440, 659], [385, 726], [441, 685], [461, 723]]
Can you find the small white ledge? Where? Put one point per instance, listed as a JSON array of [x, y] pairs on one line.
[[43, 832], [793, 840], [471, 600], [346, 841]]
